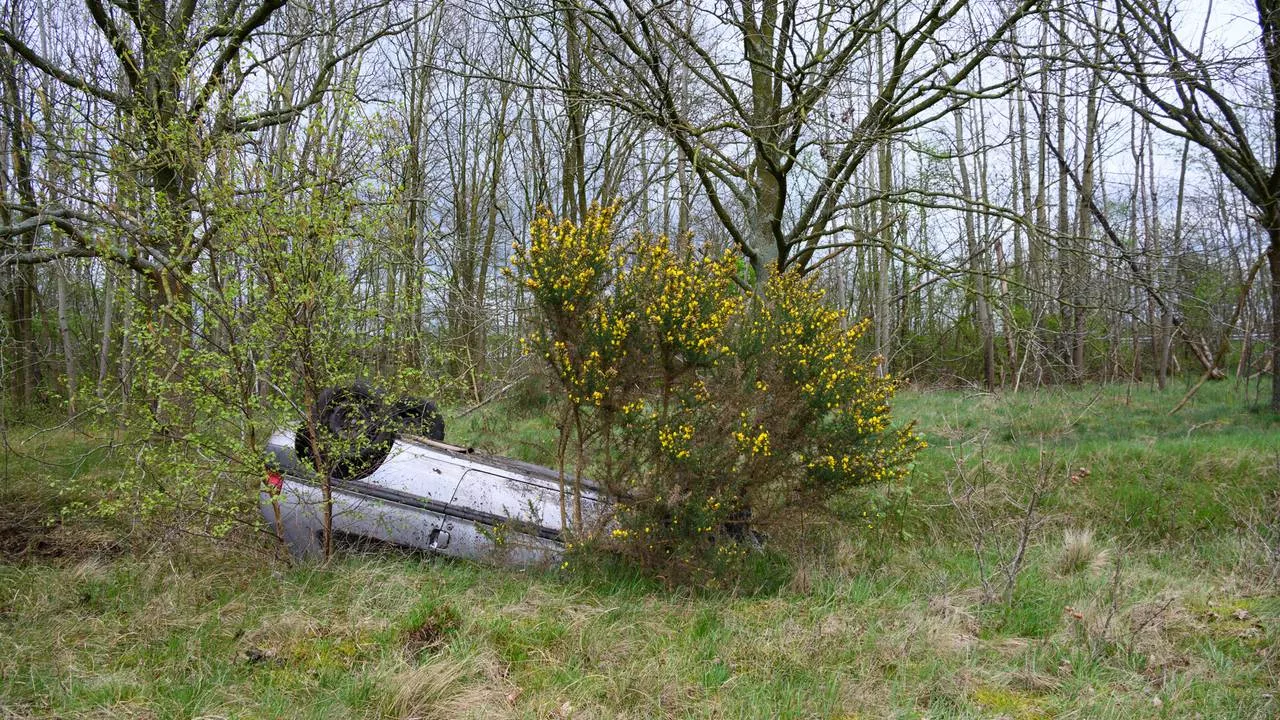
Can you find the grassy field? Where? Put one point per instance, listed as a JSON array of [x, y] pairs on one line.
[[1148, 588]]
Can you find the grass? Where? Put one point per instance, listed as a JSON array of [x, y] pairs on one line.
[[1169, 607]]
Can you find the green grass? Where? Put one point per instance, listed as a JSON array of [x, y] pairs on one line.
[[1151, 474], [97, 620]]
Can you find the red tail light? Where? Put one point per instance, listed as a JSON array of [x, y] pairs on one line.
[[275, 481]]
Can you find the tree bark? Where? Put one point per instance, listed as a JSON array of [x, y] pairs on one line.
[[977, 267], [1273, 263]]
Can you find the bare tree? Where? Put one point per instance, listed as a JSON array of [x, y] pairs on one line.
[[750, 126], [183, 67], [1201, 98]]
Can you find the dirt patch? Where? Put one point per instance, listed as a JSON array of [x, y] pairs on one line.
[[431, 631], [29, 535]]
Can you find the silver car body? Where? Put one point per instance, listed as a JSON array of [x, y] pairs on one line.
[[428, 495]]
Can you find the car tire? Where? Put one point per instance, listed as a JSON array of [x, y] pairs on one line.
[[353, 432], [418, 416]]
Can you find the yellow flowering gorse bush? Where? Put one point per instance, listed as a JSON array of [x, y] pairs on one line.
[[685, 302], [707, 412], [567, 268]]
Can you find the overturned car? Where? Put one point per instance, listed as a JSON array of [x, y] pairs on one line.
[[398, 481]]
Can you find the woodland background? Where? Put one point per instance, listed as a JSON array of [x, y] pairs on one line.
[[1018, 194]]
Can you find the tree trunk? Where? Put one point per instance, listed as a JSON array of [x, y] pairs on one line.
[[763, 223], [882, 327], [977, 267], [22, 281], [1078, 259], [573, 181], [64, 334], [108, 318], [1273, 262]]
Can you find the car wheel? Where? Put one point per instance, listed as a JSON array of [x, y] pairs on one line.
[[418, 417], [353, 433]]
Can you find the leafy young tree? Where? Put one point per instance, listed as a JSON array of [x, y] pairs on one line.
[[227, 133], [282, 306]]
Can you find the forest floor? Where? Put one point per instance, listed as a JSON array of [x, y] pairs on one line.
[[1149, 588]]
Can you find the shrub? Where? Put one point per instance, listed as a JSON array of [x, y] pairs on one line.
[[708, 413]]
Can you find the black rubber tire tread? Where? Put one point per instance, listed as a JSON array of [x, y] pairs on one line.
[[418, 416], [351, 414]]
